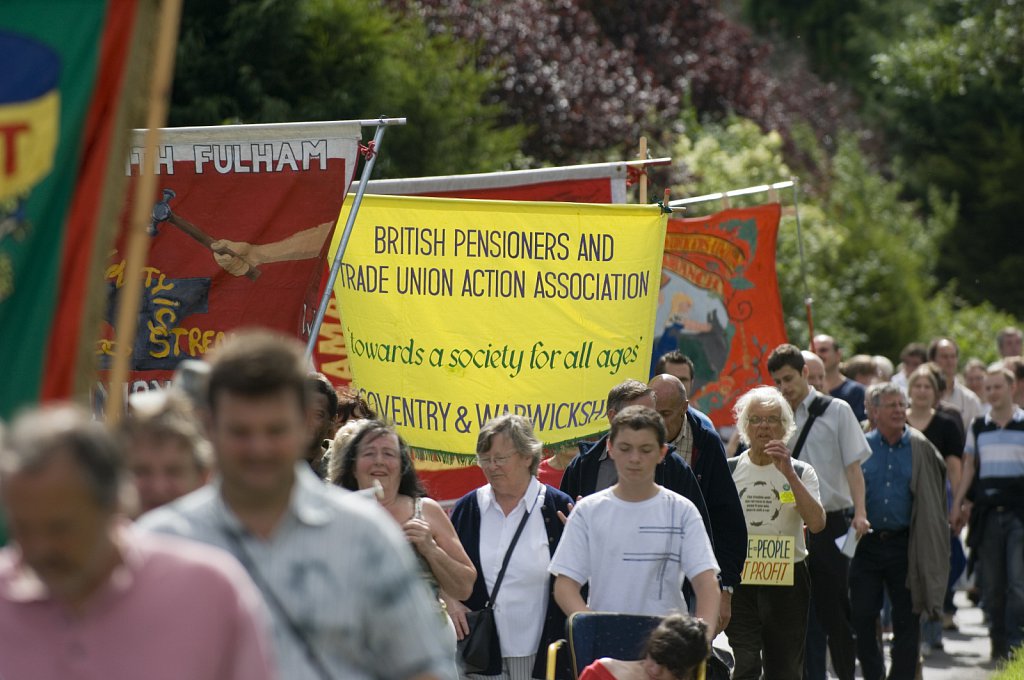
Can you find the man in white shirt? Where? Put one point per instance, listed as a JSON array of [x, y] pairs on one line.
[[835, 446], [635, 542], [946, 354]]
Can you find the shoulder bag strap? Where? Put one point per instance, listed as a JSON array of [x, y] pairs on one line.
[[816, 408], [511, 547], [275, 603]]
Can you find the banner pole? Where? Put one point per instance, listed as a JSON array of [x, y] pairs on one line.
[[808, 300], [643, 173], [138, 236], [372, 150]]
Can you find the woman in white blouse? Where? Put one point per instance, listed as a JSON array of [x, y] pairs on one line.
[[486, 520]]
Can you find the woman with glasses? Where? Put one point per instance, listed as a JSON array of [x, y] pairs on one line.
[[779, 496], [487, 520], [375, 454]]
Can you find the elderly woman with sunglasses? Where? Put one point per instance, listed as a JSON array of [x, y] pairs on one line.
[[779, 496], [486, 520]]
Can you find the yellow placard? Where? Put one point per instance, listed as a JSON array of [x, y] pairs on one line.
[[769, 560], [456, 311]]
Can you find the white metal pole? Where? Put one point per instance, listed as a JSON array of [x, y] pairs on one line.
[[382, 124]]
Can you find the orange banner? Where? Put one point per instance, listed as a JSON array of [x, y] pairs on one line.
[[719, 303]]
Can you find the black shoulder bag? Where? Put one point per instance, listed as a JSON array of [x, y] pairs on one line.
[[481, 646]]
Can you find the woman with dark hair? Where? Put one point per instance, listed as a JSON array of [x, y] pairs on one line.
[[674, 651], [376, 453]]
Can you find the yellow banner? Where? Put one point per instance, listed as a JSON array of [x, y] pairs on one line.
[[456, 311], [769, 561]]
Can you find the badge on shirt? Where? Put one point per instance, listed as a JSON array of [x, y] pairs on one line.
[[787, 495]]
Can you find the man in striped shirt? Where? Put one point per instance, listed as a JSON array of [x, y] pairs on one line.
[[996, 441]]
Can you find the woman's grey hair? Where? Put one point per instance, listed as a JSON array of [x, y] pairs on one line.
[[519, 429], [883, 390], [768, 397], [38, 437]]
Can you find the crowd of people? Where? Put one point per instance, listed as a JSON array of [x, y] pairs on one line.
[[253, 522]]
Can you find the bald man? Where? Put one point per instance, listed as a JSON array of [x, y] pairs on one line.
[[815, 370], [701, 447]]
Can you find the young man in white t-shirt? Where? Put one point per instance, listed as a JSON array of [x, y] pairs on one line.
[[636, 541]]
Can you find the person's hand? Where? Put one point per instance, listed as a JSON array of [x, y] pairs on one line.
[[418, 532], [457, 612], [959, 515], [861, 525], [724, 611], [781, 458], [564, 516], [244, 257]]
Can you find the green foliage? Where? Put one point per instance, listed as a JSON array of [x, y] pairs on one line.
[[1013, 669], [951, 94], [868, 252], [258, 61], [973, 326]]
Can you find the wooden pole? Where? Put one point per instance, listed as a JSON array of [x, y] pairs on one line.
[[138, 234], [643, 171]]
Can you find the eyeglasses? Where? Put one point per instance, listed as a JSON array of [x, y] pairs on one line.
[[489, 462], [771, 420]]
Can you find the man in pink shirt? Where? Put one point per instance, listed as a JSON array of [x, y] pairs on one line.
[[83, 595]]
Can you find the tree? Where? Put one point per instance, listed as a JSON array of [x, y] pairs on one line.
[[868, 252], [953, 93], [591, 77], [260, 61]]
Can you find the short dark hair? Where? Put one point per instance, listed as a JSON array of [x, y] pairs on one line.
[[639, 418], [40, 436], [680, 644], [673, 357], [258, 363], [915, 349], [1015, 364], [352, 406], [625, 392], [408, 485], [317, 383], [785, 355]]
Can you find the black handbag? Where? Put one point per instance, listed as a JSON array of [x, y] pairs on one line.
[[481, 647]]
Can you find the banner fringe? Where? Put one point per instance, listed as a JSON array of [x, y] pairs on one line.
[[469, 459]]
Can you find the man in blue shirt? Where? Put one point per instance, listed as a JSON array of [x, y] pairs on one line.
[[888, 557], [836, 384]]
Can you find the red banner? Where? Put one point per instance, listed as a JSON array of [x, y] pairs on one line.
[[240, 231], [720, 303]]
